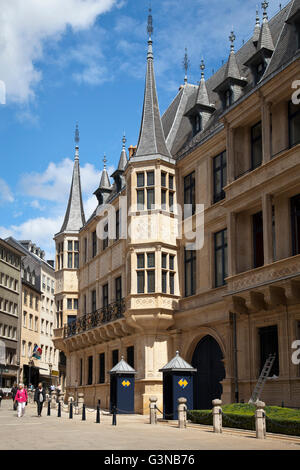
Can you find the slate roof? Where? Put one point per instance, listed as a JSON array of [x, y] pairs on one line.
[[122, 368], [178, 364], [152, 139], [74, 218], [177, 127]]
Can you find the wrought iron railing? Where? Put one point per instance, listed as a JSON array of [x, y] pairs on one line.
[[112, 312]]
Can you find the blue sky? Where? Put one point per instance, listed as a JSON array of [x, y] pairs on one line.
[[86, 62]]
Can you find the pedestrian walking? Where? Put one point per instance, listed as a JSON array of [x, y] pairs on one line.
[[1, 396], [21, 398], [13, 395], [40, 398]]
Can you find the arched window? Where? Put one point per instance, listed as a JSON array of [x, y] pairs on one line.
[[197, 124]]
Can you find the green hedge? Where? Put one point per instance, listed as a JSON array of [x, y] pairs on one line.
[[242, 417]]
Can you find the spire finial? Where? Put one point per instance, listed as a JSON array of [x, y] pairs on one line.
[[257, 15], [104, 162], [150, 23], [124, 140], [264, 6], [202, 68], [177, 353], [186, 65], [232, 39], [77, 139]]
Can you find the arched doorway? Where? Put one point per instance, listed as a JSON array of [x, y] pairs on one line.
[[207, 359]]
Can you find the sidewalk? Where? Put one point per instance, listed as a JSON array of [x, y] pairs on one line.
[[131, 432]]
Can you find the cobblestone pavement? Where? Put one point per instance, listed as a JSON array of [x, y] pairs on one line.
[[131, 432]]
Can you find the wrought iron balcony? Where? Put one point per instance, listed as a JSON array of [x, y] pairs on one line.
[[112, 312]]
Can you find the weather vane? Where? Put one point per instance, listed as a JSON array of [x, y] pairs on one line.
[[77, 139], [104, 161]]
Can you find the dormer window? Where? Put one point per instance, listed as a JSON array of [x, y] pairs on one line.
[[228, 98], [197, 124], [260, 70]]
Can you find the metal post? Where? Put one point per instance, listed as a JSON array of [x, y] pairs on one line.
[[49, 409], [59, 410], [71, 411], [114, 416], [98, 414], [83, 413]]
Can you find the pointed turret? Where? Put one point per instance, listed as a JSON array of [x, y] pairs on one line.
[[75, 218], [105, 188], [152, 139], [202, 97], [230, 89], [265, 40], [118, 175], [232, 69], [202, 110]]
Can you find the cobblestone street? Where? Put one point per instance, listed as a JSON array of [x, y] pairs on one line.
[[131, 432]]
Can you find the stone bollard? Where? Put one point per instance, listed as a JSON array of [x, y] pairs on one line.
[[47, 399], [53, 399], [153, 410], [80, 401], [217, 416], [260, 420], [182, 408]]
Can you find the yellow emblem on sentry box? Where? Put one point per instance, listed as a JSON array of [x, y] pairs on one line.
[[126, 383], [183, 383]]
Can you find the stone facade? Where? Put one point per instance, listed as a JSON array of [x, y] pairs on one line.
[[238, 297], [10, 312]]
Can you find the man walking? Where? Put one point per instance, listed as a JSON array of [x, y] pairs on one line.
[[13, 395], [21, 398], [40, 398]]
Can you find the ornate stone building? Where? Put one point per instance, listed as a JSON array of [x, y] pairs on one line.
[[232, 144]]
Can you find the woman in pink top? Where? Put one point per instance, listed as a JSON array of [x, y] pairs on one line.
[[21, 397]]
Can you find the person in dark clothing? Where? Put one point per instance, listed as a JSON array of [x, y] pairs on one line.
[[13, 394], [1, 396], [40, 398]]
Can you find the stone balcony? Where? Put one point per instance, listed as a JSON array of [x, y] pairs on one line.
[[103, 325], [266, 287]]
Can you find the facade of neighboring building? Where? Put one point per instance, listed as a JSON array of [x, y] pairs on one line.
[[10, 313], [38, 315], [30, 324], [232, 144]]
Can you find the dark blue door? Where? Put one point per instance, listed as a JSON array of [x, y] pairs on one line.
[[207, 359]]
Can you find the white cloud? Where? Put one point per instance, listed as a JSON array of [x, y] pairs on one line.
[[24, 28], [5, 192], [40, 230]]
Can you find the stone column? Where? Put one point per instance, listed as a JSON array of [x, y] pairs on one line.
[[217, 416], [230, 153], [266, 129], [182, 407], [231, 237], [153, 411], [260, 420], [267, 228]]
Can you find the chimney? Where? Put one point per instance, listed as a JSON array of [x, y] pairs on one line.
[[132, 151]]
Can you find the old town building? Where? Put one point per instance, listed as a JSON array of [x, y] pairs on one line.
[[38, 319], [10, 313], [226, 151]]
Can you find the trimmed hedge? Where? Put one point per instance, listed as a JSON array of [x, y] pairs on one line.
[[240, 416]]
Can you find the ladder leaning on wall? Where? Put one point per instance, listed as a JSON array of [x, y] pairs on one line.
[[262, 378]]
